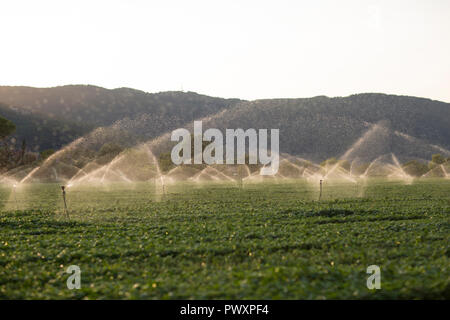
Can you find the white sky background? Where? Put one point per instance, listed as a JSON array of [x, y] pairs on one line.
[[245, 49]]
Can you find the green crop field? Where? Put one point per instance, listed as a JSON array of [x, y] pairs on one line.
[[218, 241]]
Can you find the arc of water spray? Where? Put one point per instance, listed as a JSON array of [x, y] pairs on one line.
[[297, 167], [219, 173], [75, 176], [203, 172], [351, 166], [29, 175], [331, 170], [446, 175], [152, 157], [98, 170], [371, 164], [124, 177], [72, 181], [107, 168], [399, 168], [360, 141], [17, 184]]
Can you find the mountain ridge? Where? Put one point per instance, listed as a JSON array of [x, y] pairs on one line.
[[316, 127]]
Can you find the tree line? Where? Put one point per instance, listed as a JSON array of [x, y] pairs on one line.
[[10, 155]]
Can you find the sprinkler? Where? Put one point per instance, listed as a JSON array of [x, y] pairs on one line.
[[163, 185], [241, 182], [63, 188], [320, 194], [15, 197], [238, 174]]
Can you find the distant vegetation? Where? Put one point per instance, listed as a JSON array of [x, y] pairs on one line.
[[6, 128], [10, 156], [53, 117], [40, 131], [314, 128], [46, 153], [320, 128]]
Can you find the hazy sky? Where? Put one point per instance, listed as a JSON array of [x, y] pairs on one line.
[[245, 49]]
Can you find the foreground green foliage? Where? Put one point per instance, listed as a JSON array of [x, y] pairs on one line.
[[266, 241]]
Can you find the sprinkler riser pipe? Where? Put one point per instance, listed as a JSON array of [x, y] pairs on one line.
[[63, 188], [320, 194]]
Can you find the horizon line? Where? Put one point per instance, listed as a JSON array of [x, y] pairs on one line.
[[215, 96]]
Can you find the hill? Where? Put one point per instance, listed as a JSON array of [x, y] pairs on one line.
[[82, 108], [321, 127], [96, 106], [361, 125]]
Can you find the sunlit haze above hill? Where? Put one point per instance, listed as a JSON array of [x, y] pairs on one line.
[[243, 49]]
